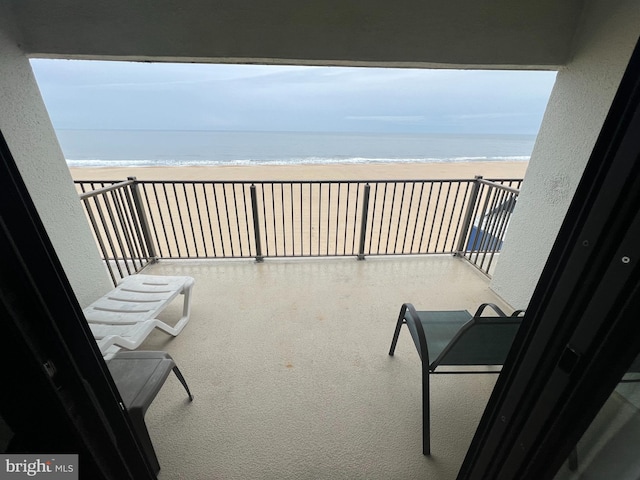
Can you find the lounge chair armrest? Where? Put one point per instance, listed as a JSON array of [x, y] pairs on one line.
[[494, 307], [516, 313]]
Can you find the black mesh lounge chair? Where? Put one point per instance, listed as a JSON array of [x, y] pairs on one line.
[[455, 338]]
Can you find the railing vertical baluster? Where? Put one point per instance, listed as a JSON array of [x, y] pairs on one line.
[[157, 252], [393, 202], [500, 227], [481, 214], [400, 210], [116, 231], [346, 220], [415, 226], [161, 218], [406, 226], [301, 223], [363, 223], [498, 196], [284, 228], [103, 248], [468, 218], [197, 202], [383, 208], [444, 213], [373, 216], [206, 206], [226, 213], [128, 253], [310, 218], [256, 223], [142, 218], [426, 216], [216, 203], [264, 220], [337, 219], [468, 187], [246, 215], [273, 217], [472, 242], [107, 234], [235, 206], [319, 217], [180, 217], [435, 212], [172, 223], [139, 247], [328, 216], [402, 195], [355, 219], [293, 230], [504, 221], [189, 216]]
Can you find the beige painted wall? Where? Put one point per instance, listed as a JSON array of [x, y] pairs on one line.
[[578, 105], [27, 129]]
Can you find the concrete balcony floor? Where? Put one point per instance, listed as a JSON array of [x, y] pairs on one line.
[[288, 362]]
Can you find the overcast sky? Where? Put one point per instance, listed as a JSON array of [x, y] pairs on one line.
[[156, 96]]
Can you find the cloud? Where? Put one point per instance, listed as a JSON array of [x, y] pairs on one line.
[[128, 95], [387, 118], [485, 116]]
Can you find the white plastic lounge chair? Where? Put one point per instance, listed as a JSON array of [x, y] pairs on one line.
[[125, 316], [124, 336]]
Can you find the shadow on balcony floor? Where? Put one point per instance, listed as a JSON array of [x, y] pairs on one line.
[[288, 364]]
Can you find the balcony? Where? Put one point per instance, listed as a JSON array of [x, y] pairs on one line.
[[286, 351], [288, 363]]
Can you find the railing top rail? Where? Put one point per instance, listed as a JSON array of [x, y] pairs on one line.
[[498, 185], [102, 190]]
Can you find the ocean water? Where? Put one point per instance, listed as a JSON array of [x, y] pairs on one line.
[[100, 148]]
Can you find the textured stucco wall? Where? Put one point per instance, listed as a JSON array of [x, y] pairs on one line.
[[27, 129], [578, 105]]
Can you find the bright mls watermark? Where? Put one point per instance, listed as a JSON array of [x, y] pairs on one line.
[[52, 467]]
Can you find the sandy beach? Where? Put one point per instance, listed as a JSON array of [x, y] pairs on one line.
[[367, 171]]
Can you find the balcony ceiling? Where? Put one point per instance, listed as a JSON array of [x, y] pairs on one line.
[[428, 33]]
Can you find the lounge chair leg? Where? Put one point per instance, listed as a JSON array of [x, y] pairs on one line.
[[426, 414], [178, 373], [139, 425], [396, 334]]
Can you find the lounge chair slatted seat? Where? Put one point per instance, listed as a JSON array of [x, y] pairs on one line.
[[140, 297], [455, 338], [124, 317]]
